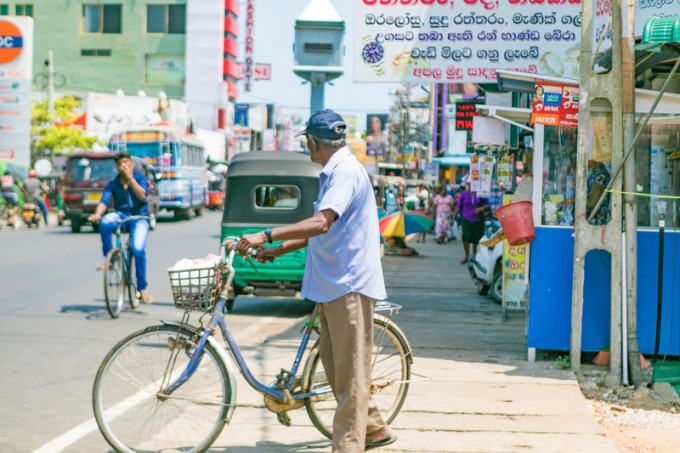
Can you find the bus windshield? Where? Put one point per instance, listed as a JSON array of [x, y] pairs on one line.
[[155, 153]]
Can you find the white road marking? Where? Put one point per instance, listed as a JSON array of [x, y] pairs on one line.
[[74, 435]]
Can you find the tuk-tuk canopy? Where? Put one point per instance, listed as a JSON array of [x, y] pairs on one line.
[[276, 163]]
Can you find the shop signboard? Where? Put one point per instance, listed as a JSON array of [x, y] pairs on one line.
[[260, 71], [464, 41], [16, 72], [249, 46], [555, 105], [165, 69], [430, 171], [515, 276]]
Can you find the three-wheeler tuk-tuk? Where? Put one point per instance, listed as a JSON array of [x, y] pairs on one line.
[[268, 189]]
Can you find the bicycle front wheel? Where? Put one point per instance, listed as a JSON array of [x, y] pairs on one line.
[[390, 375], [133, 415], [114, 283], [132, 281]]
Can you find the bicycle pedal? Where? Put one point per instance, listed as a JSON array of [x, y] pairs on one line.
[[284, 419]]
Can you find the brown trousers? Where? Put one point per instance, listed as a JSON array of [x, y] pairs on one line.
[[346, 346]]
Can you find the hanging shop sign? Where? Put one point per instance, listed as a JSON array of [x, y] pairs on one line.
[[555, 105], [464, 41]]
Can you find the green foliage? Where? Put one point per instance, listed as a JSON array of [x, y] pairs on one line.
[[65, 111], [50, 140], [563, 362]]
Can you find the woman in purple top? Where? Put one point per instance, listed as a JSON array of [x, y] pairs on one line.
[[472, 209]]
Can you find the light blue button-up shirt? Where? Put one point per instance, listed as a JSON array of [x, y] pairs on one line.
[[347, 258]]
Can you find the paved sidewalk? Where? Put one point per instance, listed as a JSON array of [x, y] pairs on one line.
[[483, 395]]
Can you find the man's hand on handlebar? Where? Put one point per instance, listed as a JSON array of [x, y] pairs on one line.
[[95, 218], [265, 254], [250, 241]]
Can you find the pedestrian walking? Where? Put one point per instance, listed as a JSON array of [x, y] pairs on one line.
[[472, 209], [443, 204], [423, 205], [343, 273]]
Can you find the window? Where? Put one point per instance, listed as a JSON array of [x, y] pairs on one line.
[[95, 52], [23, 10], [559, 172], [4, 10], [277, 197], [102, 19], [165, 18]]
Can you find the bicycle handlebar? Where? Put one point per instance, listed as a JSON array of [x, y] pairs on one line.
[[131, 218]]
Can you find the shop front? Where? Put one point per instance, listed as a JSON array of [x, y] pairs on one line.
[[657, 159]]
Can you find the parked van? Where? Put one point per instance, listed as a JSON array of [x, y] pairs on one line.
[[86, 176]]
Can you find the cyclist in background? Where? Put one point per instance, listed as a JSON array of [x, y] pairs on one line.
[[129, 191], [8, 194], [33, 189]]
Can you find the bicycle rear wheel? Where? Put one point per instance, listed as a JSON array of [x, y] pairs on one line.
[[133, 416], [114, 283], [390, 374], [132, 281]]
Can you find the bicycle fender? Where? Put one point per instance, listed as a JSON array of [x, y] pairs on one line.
[[228, 362]]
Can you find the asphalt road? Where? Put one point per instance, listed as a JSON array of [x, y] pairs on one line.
[[55, 330]]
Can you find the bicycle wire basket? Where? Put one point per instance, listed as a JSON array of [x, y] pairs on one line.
[[196, 289]]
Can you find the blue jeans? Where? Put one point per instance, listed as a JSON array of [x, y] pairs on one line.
[[139, 232], [43, 207]]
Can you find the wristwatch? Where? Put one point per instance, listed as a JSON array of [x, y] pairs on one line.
[[268, 233]]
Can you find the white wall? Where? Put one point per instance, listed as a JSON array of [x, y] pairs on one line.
[[204, 89]]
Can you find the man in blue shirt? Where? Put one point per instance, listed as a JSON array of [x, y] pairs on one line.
[[129, 191], [344, 274]]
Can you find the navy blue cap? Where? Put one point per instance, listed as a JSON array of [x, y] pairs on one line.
[[325, 124]]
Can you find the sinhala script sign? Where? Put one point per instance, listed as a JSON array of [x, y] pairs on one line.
[[429, 41]]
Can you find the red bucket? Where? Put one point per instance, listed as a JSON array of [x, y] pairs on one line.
[[517, 222]]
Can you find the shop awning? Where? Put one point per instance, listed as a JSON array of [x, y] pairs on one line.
[[512, 115], [524, 82], [461, 160]]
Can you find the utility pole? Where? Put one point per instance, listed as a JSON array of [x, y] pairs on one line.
[[50, 86], [407, 125], [629, 179]]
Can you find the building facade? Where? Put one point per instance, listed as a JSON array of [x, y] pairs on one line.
[[186, 50]]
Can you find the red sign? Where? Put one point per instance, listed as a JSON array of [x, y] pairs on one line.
[[555, 105], [11, 41], [465, 113], [7, 153], [261, 71]]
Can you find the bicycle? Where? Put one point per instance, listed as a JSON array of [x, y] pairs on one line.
[[172, 386], [119, 271]]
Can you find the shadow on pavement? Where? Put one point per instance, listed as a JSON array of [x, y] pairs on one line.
[[276, 447]]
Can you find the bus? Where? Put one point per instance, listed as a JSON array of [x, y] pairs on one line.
[[179, 162]]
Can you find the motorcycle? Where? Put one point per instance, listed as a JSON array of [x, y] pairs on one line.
[[31, 213], [486, 267]]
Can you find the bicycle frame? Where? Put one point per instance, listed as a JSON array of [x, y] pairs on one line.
[[125, 252], [218, 320]]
